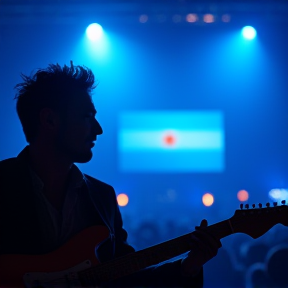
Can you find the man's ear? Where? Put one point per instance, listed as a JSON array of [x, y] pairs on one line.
[[49, 119]]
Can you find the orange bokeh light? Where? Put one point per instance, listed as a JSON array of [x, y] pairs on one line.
[[191, 18], [242, 195], [208, 199], [208, 18], [122, 199]]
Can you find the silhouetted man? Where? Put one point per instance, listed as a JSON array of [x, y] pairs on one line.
[[45, 199]]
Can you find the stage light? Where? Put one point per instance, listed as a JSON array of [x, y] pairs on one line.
[[248, 32], [191, 18], [278, 194], [208, 18], [122, 199], [242, 195], [208, 199], [94, 31]]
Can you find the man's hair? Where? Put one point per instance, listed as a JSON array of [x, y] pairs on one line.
[[53, 88]]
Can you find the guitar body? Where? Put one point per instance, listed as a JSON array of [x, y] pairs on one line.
[[77, 250]]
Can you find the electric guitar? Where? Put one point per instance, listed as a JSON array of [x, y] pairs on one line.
[[75, 264]]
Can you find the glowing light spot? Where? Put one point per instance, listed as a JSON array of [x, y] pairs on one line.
[[208, 199], [191, 18], [143, 18], [278, 194], [122, 199], [248, 32], [208, 18], [94, 31], [242, 195], [169, 139]]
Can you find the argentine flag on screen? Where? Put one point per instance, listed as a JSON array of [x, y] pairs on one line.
[[171, 141]]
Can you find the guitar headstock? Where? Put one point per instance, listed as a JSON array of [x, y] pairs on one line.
[[257, 221]]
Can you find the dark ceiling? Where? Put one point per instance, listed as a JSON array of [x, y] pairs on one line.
[[275, 10]]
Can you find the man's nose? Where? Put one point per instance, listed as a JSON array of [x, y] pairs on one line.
[[98, 128]]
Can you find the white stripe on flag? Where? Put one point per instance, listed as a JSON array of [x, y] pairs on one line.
[[142, 140]]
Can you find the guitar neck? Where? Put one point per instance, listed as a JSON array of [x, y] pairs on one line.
[[136, 261]]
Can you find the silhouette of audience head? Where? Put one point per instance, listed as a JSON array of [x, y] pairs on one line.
[[277, 265], [253, 252], [256, 276]]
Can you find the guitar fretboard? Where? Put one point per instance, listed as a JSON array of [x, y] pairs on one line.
[[136, 261]]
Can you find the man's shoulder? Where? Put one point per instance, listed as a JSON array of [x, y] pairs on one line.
[[98, 183], [17, 161], [8, 163], [13, 174]]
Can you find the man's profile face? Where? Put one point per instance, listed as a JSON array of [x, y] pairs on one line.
[[78, 130]]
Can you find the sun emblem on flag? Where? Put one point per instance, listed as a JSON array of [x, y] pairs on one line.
[[169, 139]]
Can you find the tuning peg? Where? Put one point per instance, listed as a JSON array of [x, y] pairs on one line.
[[260, 205], [247, 206], [241, 206], [253, 205], [274, 204], [267, 204], [283, 202]]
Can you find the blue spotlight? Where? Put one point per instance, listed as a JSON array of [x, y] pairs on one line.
[[94, 31], [249, 32]]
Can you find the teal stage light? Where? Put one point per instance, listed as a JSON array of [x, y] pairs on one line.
[[94, 31], [249, 33]]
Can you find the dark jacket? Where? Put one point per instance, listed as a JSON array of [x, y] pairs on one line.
[[20, 225]]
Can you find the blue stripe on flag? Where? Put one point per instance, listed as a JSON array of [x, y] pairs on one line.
[[183, 120], [178, 161]]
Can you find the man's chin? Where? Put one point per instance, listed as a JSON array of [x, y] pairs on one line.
[[83, 157]]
